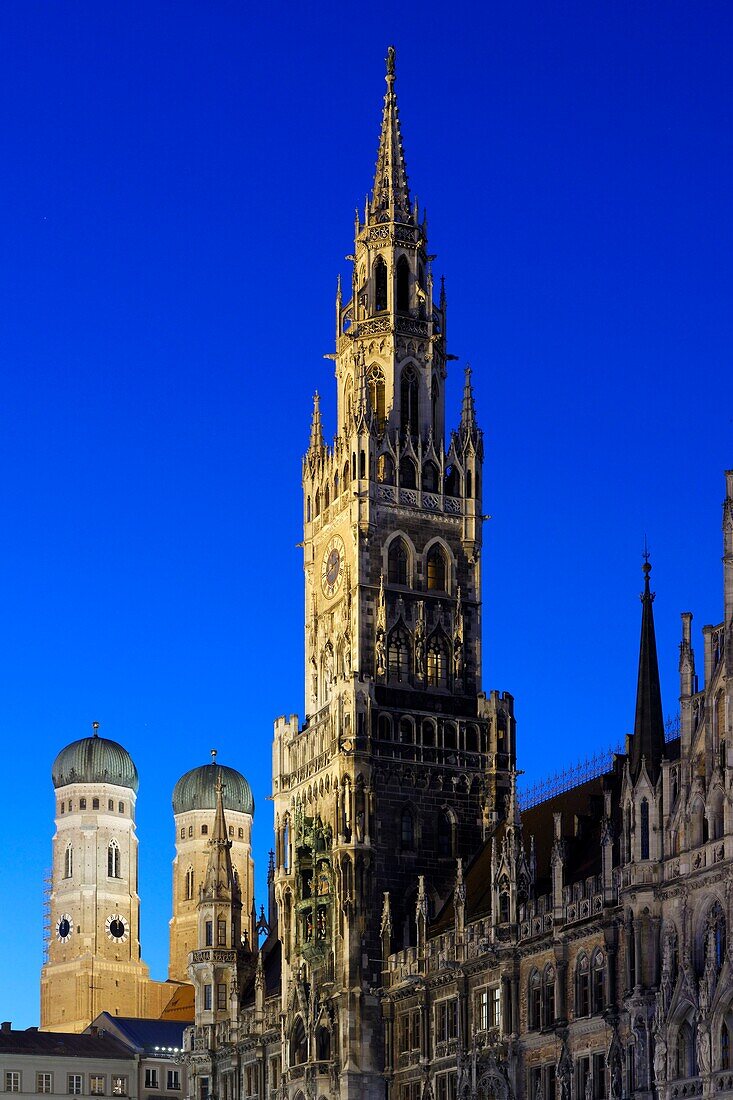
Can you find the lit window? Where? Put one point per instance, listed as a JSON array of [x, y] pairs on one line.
[[96, 1084], [436, 570], [119, 1085], [240, 833]]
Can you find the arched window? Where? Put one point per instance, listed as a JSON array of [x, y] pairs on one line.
[[385, 470], [362, 464], [204, 830], [346, 474], [644, 829], [113, 860], [384, 727], [472, 739], [402, 288], [409, 411], [375, 384], [326, 496], [408, 475], [430, 478], [407, 830], [716, 936], [428, 733], [407, 731], [582, 987], [450, 737], [598, 983], [437, 663], [724, 1046], [68, 861], [189, 884], [535, 1001], [686, 1060], [436, 570], [434, 395], [468, 484], [444, 835], [323, 1044], [380, 285], [548, 996], [504, 905], [298, 1044], [627, 833], [452, 482], [715, 814], [398, 655], [317, 504], [697, 824], [308, 510], [397, 562]]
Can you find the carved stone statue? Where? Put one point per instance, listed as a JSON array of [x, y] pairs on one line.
[[458, 660], [314, 683], [380, 653], [660, 1061], [347, 656], [328, 664], [703, 1050], [420, 647], [616, 1080]]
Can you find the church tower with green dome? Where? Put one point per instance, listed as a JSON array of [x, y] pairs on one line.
[[94, 962], [194, 811]]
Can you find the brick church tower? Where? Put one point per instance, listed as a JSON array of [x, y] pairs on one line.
[[403, 764]]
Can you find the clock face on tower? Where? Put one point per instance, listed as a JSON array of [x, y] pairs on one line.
[[116, 927], [63, 928], [332, 566]]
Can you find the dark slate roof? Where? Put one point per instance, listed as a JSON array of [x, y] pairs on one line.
[[196, 790], [143, 1035], [94, 760], [272, 965], [62, 1045]]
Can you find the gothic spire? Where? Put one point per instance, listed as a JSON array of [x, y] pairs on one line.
[[220, 878], [391, 194], [469, 426], [648, 741], [316, 439]]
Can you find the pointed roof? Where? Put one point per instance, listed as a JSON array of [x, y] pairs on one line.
[[469, 426], [316, 440], [220, 880], [648, 740], [390, 193]]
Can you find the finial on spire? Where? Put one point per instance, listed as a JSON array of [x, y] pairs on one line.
[[469, 426], [391, 195], [390, 59], [95, 727], [648, 740], [213, 756]]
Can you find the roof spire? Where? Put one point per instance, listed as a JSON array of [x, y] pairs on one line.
[[391, 194], [648, 742], [469, 426], [316, 439], [220, 828], [95, 727]]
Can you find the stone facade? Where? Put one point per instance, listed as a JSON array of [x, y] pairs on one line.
[[426, 939]]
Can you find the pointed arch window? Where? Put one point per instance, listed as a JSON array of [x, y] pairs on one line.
[[644, 829], [385, 470], [430, 478], [113, 860], [686, 1061], [397, 563], [409, 402], [437, 664], [407, 831], [298, 1044], [345, 480], [69, 861], [469, 494], [399, 655], [308, 510], [408, 476], [535, 1001], [452, 482], [582, 987], [598, 988], [444, 835], [380, 285], [317, 503], [402, 286], [348, 402], [286, 844], [548, 996], [436, 570], [375, 385], [188, 890]]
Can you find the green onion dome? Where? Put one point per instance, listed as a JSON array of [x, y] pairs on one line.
[[196, 790], [94, 760]]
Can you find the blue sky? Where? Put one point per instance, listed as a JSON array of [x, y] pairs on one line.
[[177, 198]]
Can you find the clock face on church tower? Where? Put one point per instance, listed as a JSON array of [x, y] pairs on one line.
[[332, 566]]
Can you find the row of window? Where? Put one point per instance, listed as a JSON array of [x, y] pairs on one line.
[[205, 832], [486, 1016], [96, 1082], [65, 807], [222, 996], [407, 731], [114, 866]]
